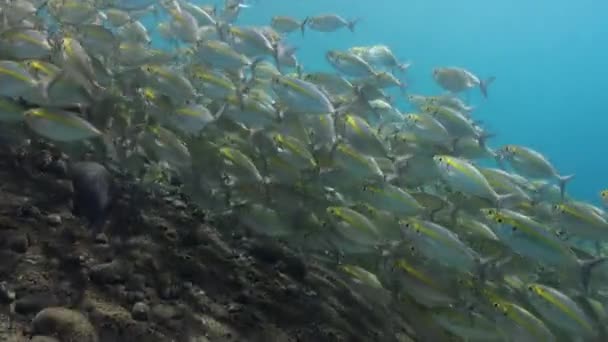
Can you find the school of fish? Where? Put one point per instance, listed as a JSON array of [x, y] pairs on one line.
[[324, 161]]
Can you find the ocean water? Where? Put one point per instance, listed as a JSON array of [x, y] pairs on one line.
[[547, 57]]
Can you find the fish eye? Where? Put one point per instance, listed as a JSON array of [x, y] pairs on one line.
[[499, 220], [496, 305]]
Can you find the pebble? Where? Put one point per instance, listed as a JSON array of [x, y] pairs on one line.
[[140, 311], [35, 302], [108, 273], [66, 324], [40, 338], [53, 220]]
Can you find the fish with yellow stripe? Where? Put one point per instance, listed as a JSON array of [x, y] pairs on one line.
[[463, 176], [538, 242], [563, 312], [60, 125]]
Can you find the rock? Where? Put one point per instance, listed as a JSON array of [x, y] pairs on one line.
[[66, 324], [293, 266], [58, 167], [101, 239], [162, 313], [40, 338], [140, 311], [53, 220], [179, 204], [29, 211], [109, 273], [234, 308], [6, 294], [35, 302], [18, 243], [92, 192], [265, 250]]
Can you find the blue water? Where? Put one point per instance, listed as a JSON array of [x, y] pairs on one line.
[[548, 57]]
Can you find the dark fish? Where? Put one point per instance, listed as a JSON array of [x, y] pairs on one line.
[[92, 193]]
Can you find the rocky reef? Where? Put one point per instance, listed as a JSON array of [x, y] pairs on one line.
[[163, 272]]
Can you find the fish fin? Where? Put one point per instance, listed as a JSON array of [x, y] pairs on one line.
[[303, 25], [484, 84], [352, 23], [563, 180], [586, 268]]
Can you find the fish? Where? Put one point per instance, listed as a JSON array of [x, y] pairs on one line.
[[16, 80], [21, 44], [560, 310], [60, 125], [533, 164], [538, 242], [440, 244], [380, 55], [286, 24], [330, 23], [400, 195], [354, 228], [301, 96], [349, 64], [457, 80], [465, 177], [604, 197]]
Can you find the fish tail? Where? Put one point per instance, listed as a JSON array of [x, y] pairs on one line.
[[587, 267], [303, 26], [218, 114], [257, 61], [563, 180], [484, 84], [403, 87], [276, 53], [483, 137], [502, 199], [403, 66], [352, 23], [499, 157]]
